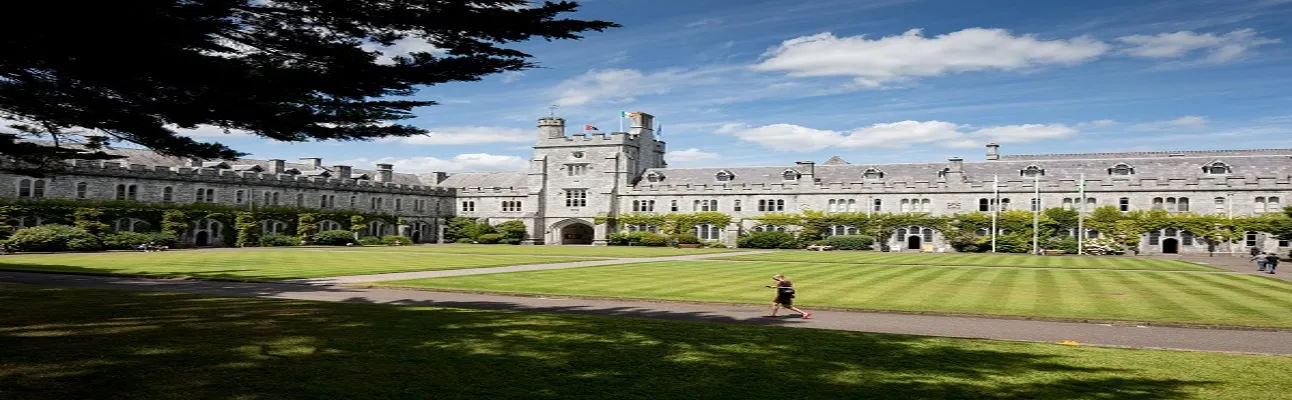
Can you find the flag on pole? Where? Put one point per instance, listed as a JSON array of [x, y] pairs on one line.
[[590, 128]]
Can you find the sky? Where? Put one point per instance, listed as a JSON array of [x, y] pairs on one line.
[[771, 82]]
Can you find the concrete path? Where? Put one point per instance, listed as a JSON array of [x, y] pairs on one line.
[[1134, 336], [338, 280]]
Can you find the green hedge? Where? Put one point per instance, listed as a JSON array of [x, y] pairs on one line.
[[850, 242], [54, 238], [334, 238], [768, 240]]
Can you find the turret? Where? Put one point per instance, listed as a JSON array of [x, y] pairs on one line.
[[551, 128]]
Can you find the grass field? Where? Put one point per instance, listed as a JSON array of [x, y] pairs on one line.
[[80, 344], [260, 264], [1183, 297], [987, 260], [574, 251]]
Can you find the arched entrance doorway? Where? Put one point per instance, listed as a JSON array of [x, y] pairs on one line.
[[203, 239], [1170, 246], [576, 233], [417, 236], [913, 242]]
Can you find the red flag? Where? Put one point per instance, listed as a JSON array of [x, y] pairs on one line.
[[590, 128]]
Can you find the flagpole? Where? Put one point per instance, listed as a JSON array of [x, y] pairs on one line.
[[621, 121], [995, 207], [1081, 216], [1036, 214]]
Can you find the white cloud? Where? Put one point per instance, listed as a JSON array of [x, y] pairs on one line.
[[512, 76], [453, 135], [1217, 48], [788, 137], [688, 155], [476, 162], [912, 55], [1185, 122], [703, 22], [1099, 123], [402, 47], [617, 86], [210, 131]]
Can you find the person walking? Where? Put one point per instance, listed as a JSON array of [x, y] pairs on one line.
[[784, 297], [1254, 251], [1261, 260], [1272, 262]]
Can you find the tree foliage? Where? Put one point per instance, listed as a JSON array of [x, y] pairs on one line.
[[287, 70]]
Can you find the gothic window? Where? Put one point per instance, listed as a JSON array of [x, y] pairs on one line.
[[1186, 238], [984, 204], [354, 201], [706, 205], [1004, 204], [1036, 204], [130, 225], [240, 196], [272, 227], [1170, 232], [928, 235], [1032, 171], [724, 175], [376, 228], [872, 173], [789, 175], [771, 205], [127, 192], [1067, 203], [275, 199], [982, 232], [1123, 204], [769, 228], [323, 201], [576, 197], [878, 205], [1220, 205], [672, 205], [374, 203], [1182, 204], [326, 225], [841, 230], [1171, 204], [642, 228], [852, 205], [1260, 205], [925, 205], [1217, 168], [1154, 238], [1121, 170], [204, 196], [31, 188], [735, 205], [168, 194], [1091, 202], [1272, 204], [576, 169], [644, 205], [399, 204], [511, 206], [82, 190], [904, 205], [1092, 234], [468, 206], [707, 232]]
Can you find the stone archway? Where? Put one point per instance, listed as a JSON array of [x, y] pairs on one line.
[[203, 239], [575, 232], [1170, 246], [913, 242]]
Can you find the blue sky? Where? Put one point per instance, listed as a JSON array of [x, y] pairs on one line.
[[745, 82]]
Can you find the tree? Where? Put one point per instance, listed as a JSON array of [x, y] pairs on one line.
[[287, 70]]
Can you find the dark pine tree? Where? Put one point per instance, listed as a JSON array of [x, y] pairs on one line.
[[98, 72]]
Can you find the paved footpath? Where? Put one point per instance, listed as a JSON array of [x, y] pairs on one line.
[[1215, 340], [339, 280]]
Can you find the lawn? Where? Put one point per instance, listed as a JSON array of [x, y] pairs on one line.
[[975, 259], [1183, 297], [575, 251], [260, 264], [79, 344]]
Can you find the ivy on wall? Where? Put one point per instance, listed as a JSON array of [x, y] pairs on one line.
[[672, 223]]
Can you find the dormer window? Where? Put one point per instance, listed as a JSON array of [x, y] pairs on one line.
[[872, 173], [362, 177], [1121, 170], [724, 176], [790, 175], [1217, 168], [1032, 171], [654, 177], [215, 165]]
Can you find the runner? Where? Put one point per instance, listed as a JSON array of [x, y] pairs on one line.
[[784, 297]]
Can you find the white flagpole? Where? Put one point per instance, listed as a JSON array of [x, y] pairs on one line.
[[1036, 214], [1081, 216], [995, 207], [621, 121]]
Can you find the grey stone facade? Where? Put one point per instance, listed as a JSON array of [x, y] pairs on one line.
[[573, 179]]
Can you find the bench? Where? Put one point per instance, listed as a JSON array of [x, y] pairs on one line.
[[820, 248]]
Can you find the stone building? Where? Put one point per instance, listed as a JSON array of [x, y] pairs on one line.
[[573, 179]]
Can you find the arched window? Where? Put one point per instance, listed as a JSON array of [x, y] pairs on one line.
[[376, 228], [1004, 204], [735, 205], [1182, 204], [168, 194], [872, 173], [707, 232], [1169, 232], [1272, 204], [1157, 203], [1260, 205], [1186, 238], [1032, 171], [1154, 238], [82, 190], [1121, 170], [1170, 204], [272, 227], [790, 175], [239, 196], [1092, 234], [852, 205], [130, 225], [900, 233], [904, 205], [642, 228], [769, 228], [928, 235], [925, 204], [982, 232], [1217, 168], [984, 205], [841, 230], [31, 188], [328, 225]]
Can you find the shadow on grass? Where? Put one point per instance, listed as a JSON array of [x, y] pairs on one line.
[[60, 343]]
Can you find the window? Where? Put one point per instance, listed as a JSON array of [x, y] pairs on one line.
[[273, 227], [82, 190], [1036, 205], [872, 173], [642, 228], [904, 205], [1250, 239], [842, 205], [1067, 203], [672, 205], [468, 206], [1092, 234], [127, 192], [925, 204], [1267, 205], [1182, 204], [1004, 204], [1186, 238], [705, 205], [878, 205], [724, 176], [1091, 202], [1031, 171], [354, 200], [771, 205], [376, 203], [511, 206], [707, 232], [1158, 203], [1217, 168], [204, 196], [26, 222], [576, 169], [376, 228], [274, 202], [329, 226], [130, 225], [769, 228], [300, 199], [31, 188], [239, 196], [735, 205], [841, 230], [399, 204], [927, 233], [1123, 204], [789, 175], [576, 197], [323, 201], [654, 177], [984, 204], [1121, 170], [852, 205], [1154, 238], [644, 205], [168, 194], [1220, 205]]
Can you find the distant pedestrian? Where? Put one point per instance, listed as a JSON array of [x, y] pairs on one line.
[[1261, 260], [1273, 262], [784, 297], [1254, 251]]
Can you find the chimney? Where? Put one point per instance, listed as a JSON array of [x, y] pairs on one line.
[[277, 166], [385, 172], [315, 163], [551, 128], [993, 152], [195, 162], [341, 171], [956, 171], [440, 177], [807, 171], [957, 164]]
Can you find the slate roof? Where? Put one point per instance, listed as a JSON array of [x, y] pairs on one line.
[[150, 158], [487, 180]]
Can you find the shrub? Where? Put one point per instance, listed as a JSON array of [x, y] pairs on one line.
[[1103, 247], [685, 238], [1012, 243], [333, 238], [716, 245], [768, 240], [851, 242], [397, 240], [489, 238], [370, 241], [509, 241], [125, 240], [617, 239], [630, 238], [653, 239], [164, 239], [276, 240], [1067, 244], [511, 230], [464, 240], [54, 238]]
